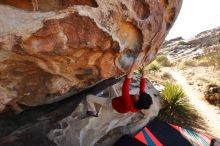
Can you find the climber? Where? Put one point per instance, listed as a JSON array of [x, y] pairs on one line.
[[125, 103]]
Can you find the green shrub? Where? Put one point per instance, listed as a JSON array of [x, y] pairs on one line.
[[176, 108], [153, 67], [174, 99], [163, 60]]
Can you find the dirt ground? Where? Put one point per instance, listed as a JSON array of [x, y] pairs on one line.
[[194, 81]]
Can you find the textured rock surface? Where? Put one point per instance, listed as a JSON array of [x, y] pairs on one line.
[[31, 127], [102, 131], [52, 47]]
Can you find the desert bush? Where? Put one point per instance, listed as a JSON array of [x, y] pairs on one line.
[[176, 108], [140, 70], [174, 100], [163, 60], [203, 61], [153, 67], [191, 63], [182, 43]]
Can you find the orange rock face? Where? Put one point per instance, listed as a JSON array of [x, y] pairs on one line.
[[47, 5], [56, 46]]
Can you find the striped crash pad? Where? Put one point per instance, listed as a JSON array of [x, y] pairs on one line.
[[160, 133]]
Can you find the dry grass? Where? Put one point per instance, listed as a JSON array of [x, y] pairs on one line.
[[205, 61], [160, 76], [213, 56], [189, 63]]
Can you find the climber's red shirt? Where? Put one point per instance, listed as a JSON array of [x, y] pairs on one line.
[[125, 103]]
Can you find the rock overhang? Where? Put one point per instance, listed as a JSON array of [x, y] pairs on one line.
[[71, 45]]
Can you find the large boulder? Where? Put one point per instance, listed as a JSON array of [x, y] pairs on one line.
[[109, 126], [63, 127], [50, 48]]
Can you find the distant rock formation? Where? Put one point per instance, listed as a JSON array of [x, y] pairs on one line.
[[179, 48], [51, 48]]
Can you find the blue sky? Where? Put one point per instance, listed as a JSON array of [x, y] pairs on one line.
[[196, 16]]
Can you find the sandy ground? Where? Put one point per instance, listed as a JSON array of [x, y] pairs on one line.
[[194, 80]]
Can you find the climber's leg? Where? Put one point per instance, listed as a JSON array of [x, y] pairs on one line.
[[92, 100]]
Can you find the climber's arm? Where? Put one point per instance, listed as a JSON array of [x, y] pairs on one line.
[[142, 80], [125, 90]]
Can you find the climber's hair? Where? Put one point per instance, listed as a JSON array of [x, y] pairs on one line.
[[144, 102]]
